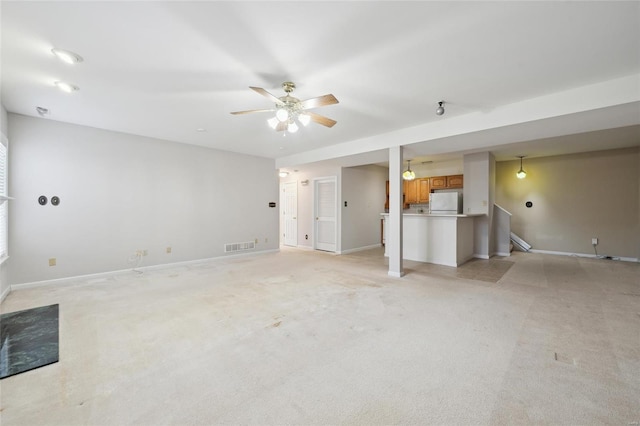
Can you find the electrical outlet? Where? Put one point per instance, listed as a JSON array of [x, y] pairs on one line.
[[168, 250], [255, 241], [145, 252], [594, 241], [52, 261]]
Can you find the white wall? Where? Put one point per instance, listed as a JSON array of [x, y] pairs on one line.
[[4, 129], [576, 197], [121, 193], [363, 189], [479, 183], [439, 168]]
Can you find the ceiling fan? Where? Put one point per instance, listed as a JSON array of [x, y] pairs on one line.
[[290, 110]]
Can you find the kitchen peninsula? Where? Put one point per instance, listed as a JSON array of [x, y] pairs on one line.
[[436, 238]]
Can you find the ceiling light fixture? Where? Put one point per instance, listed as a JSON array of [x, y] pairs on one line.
[[66, 87], [290, 112], [67, 56], [440, 109], [408, 174], [521, 174], [283, 174], [42, 111]]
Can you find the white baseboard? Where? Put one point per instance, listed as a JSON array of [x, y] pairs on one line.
[[592, 256], [5, 293], [481, 256], [353, 250], [499, 253], [108, 274], [395, 274]]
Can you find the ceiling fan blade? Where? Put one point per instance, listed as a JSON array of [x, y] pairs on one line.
[[251, 111], [319, 101], [267, 95], [281, 126], [321, 119]]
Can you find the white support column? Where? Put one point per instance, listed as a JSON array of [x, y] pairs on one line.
[[394, 229]]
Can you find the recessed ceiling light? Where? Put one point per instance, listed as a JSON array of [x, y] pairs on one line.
[[66, 87], [42, 111], [283, 174], [67, 56], [200, 130]]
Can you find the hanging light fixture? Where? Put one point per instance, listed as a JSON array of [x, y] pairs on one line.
[[408, 174], [521, 174], [440, 109]]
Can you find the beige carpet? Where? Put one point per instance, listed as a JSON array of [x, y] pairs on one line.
[[301, 337]]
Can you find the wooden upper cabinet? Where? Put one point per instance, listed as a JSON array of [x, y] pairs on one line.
[[417, 191], [438, 182], [447, 182], [424, 188], [410, 192], [455, 181], [386, 200]]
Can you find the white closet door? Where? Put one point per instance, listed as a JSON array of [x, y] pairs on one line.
[[290, 213], [325, 214]]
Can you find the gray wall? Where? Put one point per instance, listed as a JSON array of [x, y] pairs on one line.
[[363, 188], [575, 197], [121, 193]]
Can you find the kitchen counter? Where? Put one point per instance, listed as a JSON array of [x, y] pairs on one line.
[[443, 239]]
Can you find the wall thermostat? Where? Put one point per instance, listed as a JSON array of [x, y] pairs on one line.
[[55, 200], [42, 200]]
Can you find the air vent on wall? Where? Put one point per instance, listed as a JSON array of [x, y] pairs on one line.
[[231, 247]]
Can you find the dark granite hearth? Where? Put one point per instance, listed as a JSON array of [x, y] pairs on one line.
[[29, 339]]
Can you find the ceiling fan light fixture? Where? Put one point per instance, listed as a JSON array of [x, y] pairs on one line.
[[273, 122], [408, 174], [521, 174], [282, 114], [304, 119], [67, 56], [440, 109], [292, 127]]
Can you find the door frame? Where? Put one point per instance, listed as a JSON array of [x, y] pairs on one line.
[[316, 181]]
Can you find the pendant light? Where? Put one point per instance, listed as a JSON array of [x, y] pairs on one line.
[[521, 174], [408, 174], [440, 109]]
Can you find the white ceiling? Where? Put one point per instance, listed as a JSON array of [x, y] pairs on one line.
[[165, 69]]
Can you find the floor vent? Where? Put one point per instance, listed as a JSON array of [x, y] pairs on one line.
[[231, 247]]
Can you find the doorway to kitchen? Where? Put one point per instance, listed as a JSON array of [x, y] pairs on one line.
[[325, 212]]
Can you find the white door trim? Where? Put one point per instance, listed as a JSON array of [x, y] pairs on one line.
[[318, 220]]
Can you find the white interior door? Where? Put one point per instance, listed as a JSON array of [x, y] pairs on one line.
[[325, 214], [290, 213]]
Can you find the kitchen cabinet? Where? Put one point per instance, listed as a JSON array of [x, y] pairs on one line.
[[417, 191], [410, 188], [447, 182], [386, 200], [455, 181], [438, 182], [424, 188]]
